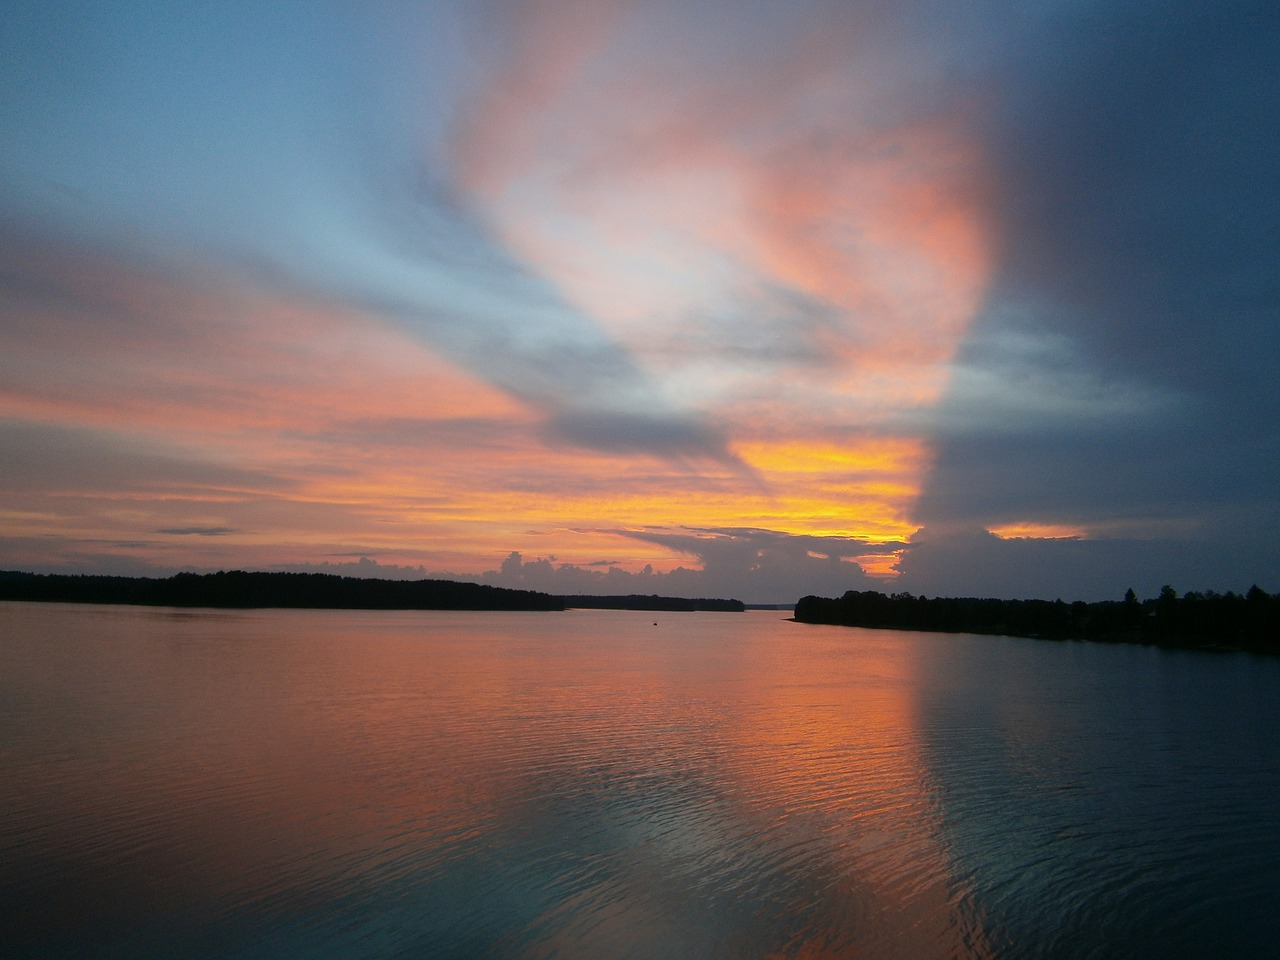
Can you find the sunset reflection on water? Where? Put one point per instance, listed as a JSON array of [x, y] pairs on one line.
[[586, 784], [577, 785]]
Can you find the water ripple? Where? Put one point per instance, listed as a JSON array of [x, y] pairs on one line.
[[447, 785]]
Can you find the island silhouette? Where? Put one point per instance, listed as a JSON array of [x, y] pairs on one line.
[[245, 590], [1202, 620], [1207, 620]]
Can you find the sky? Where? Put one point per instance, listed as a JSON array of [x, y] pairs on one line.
[[609, 296]]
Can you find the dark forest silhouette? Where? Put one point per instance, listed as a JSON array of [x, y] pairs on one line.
[[635, 601], [239, 589], [1202, 620]]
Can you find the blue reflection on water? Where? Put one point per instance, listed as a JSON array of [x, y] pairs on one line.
[[1108, 801]]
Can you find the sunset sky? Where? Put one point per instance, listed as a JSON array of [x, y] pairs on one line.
[[717, 299]]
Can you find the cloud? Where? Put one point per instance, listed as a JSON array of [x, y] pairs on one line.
[[369, 568], [624, 432], [743, 274], [198, 531], [314, 196], [978, 563], [757, 566], [52, 554], [96, 336], [1120, 377], [45, 459], [739, 210]]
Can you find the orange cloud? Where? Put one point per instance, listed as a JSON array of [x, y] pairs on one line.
[[845, 240], [121, 345]]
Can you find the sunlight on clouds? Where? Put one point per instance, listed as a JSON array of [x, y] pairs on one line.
[[663, 281], [785, 247], [872, 456], [860, 487], [1047, 531], [543, 275], [199, 354]]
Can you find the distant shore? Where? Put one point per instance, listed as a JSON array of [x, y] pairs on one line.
[[238, 589], [1205, 621]]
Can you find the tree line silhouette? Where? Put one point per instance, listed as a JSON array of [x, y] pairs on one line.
[[636, 601], [237, 588], [1204, 620]]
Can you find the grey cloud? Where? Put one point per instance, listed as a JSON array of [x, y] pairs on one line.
[[1137, 162], [621, 432], [417, 432], [766, 565], [42, 457], [1123, 368], [974, 562], [368, 567], [1016, 382], [756, 566], [698, 541], [78, 556], [541, 351], [198, 531], [765, 327]]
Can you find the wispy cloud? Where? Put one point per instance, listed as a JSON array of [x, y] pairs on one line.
[[197, 531]]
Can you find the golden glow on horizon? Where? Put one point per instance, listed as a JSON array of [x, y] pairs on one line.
[[1027, 529]]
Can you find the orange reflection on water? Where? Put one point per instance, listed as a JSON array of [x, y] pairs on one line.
[[828, 746], [664, 785]]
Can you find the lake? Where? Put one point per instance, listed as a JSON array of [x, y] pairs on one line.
[[592, 784]]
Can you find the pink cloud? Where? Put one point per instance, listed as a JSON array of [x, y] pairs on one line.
[[682, 195], [546, 47]]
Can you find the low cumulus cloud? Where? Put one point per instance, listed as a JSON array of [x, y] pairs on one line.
[[977, 563], [368, 568], [756, 566]]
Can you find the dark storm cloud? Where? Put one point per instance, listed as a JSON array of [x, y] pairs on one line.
[[1139, 187], [978, 563], [1137, 152]]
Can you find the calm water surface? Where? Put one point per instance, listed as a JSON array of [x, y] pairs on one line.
[[590, 785]]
